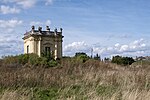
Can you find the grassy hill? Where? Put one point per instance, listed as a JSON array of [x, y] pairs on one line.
[[73, 79]]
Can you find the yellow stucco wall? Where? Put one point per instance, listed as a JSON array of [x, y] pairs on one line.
[[37, 45], [29, 42]]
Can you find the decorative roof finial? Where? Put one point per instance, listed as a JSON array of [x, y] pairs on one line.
[[40, 29], [47, 28], [55, 30], [32, 27], [61, 30]]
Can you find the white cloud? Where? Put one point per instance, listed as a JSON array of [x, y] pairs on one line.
[[10, 23], [35, 23], [10, 45], [49, 2], [48, 22], [38, 23], [27, 3], [135, 48], [117, 45], [124, 48], [7, 10], [23, 3], [74, 47], [132, 49]]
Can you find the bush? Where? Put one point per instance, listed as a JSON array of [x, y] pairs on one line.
[[47, 55], [52, 63], [23, 58], [18, 59], [31, 59], [42, 61]]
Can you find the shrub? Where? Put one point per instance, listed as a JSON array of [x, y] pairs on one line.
[[47, 55], [24, 58], [31, 59], [52, 63], [42, 61]]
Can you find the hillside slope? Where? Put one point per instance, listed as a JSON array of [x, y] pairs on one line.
[[74, 80]]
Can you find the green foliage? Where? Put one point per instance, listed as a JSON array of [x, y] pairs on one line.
[[47, 55], [18, 59], [97, 57], [52, 63], [23, 59], [31, 59], [2, 89], [46, 94], [80, 53], [106, 59], [66, 57], [122, 60], [117, 59], [41, 61], [83, 57]]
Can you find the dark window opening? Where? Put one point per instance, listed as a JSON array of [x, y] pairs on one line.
[[27, 49], [47, 51]]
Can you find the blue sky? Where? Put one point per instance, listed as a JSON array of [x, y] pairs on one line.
[[109, 27]]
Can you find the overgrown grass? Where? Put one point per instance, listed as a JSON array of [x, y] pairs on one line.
[[73, 79]]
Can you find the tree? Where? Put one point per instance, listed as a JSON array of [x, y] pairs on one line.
[[80, 53], [97, 57], [107, 59], [117, 59], [82, 56], [122, 60]]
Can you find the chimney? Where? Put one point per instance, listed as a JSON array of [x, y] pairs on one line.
[[40, 29], [47, 28]]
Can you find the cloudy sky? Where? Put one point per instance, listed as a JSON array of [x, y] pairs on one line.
[[108, 27]]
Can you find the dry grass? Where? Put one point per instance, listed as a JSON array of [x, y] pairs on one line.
[[73, 80]]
